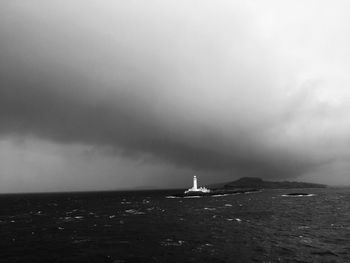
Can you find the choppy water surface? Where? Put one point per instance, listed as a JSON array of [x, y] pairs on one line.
[[154, 227]]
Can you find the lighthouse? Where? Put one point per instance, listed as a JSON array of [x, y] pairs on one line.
[[195, 187], [195, 184]]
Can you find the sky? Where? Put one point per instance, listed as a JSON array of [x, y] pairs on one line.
[[104, 95]]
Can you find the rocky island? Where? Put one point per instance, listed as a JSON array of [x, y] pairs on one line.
[[244, 185]]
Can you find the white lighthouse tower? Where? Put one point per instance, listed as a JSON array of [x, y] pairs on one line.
[[194, 183], [195, 187]]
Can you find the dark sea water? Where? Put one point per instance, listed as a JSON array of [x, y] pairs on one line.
[[150, 226]]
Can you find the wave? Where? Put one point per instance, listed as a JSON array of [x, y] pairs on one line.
[[301, 195]]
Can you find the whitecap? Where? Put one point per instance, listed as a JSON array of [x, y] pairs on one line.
[[170, 242], [308, 195], [231, 219], [139, 213], [252, 192], [219, 195], [134, 212], [303, 227]]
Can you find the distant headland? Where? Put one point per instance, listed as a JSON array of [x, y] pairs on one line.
[[258, 183]]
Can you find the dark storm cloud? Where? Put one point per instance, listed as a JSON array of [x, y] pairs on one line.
[[61, 108], [212, 89]]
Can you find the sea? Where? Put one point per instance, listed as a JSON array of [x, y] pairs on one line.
[[156, 226]]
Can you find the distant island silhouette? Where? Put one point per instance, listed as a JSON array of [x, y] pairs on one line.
[[258, 183]]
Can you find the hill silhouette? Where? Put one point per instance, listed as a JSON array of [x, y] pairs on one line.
[[258, 183]]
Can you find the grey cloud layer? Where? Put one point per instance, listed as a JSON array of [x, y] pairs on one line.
[[195, 88], [63, 110]]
